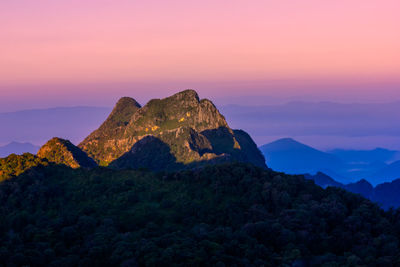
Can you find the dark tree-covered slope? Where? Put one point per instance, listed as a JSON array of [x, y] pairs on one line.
[[220, 215]]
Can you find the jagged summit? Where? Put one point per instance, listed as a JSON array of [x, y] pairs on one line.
[[119, 117], [189, 129], [100, 144], [62, 151], [179, 110]]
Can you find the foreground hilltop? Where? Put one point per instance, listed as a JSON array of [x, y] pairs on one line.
[[168, 133]]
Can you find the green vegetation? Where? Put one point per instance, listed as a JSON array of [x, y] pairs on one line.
[[226, 215], [14, 165]]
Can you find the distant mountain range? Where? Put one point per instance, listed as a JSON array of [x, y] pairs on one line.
[[39, 125], [356, 171], [346, 166], [319, 124], [17, 148], [339, 125]]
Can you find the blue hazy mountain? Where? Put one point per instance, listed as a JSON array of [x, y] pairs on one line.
[[323, 180], [362, 187], [387, 194], [289, 156], [17, 148], [346, 166]]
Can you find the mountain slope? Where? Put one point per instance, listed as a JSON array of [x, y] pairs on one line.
[[191, 130], [364, 188], [387, 173], [62, 151], [17, 148], [387, 194]]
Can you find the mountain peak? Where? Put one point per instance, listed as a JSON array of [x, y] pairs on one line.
[[192, 129], [17, 148], [122, 112], [125, 102], [286, 144], [61, 151], [288, 140], [188, 94]]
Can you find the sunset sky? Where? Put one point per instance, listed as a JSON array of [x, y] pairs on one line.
[[74, 52]]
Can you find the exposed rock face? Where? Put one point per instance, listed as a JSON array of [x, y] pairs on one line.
[[107, 142], [62, 151], [187, 129]]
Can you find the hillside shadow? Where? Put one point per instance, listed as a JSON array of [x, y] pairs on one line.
[[239, 144], [148, 153], [222, 140], [154, 154]]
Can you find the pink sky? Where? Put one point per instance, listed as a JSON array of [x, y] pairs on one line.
[[53, 49]]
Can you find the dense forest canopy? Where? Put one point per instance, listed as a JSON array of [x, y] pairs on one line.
[[232, 214]]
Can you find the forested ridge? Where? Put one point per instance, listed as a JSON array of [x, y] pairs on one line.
[[231, 214]]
